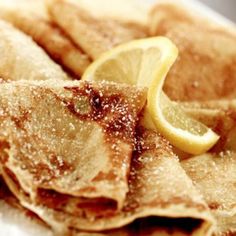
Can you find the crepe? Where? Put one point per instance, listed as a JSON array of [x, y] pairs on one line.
[[152, 200], [205, 68], [214, 173], [50, 37], [78, 115], [93, 35], [70, 164], [9, 200], [215, 177], [21, 58]]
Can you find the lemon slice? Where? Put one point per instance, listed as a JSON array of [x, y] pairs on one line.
[[146, 62]]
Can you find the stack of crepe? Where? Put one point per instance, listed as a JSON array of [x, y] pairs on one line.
[[75, 153]]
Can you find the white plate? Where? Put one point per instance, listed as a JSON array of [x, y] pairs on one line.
[[12, 221]]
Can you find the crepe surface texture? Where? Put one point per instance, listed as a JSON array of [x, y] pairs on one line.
[[215, 172], [50, 37], [53, 168], [204, 77], [23, 59], [205, 68], [93, 34]]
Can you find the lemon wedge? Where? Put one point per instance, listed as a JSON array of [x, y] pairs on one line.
[[146, 62]]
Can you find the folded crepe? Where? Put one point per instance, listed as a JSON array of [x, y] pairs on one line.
[[21, 58], [45, 33], [7, 199], [205, 68], [72, 138], [214, 173], [93, 35], [69, 161], [215, 176], [162, 204]]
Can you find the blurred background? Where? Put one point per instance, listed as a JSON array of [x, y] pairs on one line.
[[225, 7]]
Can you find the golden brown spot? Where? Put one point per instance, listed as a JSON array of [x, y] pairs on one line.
[[105, 176], [214, 205], [20, 120], [59, 163], [111, 112], [88, 189], [51, 199], [100, 207], [4, 147]]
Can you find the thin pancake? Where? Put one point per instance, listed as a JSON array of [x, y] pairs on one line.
[[46, 34], [93, 35], [70, 138], [6, 197], [215, 177], [206, 67], [152, 192], [215, 172], [21, 58]]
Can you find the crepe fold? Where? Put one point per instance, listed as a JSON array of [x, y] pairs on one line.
[[214, 173], [23, 59], [35, 22], [75, 158], [160, 203], [205, 68], [215, 176], [94, 35], [74, 138]]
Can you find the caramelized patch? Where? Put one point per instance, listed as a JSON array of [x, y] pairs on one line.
[[88, 189], [59, 163], [76, 206], [100, 207], [112, 112], [214, 205], [51, 198], [42, 173], [105, 176], [4, 147], [19, 121], [143, 144]]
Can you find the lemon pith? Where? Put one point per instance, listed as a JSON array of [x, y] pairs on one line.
[[146, 62]]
